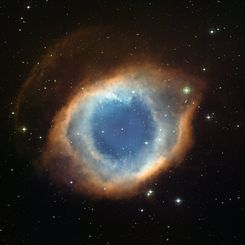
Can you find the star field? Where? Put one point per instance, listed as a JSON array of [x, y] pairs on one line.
[[201, 200]]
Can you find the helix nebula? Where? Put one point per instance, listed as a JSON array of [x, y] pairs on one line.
[[113, 114]]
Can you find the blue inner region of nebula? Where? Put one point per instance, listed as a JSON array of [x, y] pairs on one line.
[[122, 131]]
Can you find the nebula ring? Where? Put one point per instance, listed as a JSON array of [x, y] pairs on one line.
[[115, 130]]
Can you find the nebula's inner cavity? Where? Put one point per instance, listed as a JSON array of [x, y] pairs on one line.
[[122, 127]]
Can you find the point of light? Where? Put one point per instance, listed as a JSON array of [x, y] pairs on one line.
[[186, 90], [213, 31], [178, 201], [23, 129], [208, 117], [149, 193]]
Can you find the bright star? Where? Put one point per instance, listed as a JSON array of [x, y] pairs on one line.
[[208, 117], [186, 90], [212, 31], [23, 129], [178, 201], [149, 192]]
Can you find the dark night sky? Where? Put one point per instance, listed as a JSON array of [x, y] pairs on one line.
[[200, 202]]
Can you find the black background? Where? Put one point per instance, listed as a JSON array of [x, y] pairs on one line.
[[210, 182]]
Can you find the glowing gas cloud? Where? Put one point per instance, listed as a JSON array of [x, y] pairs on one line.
[[112, 115]]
